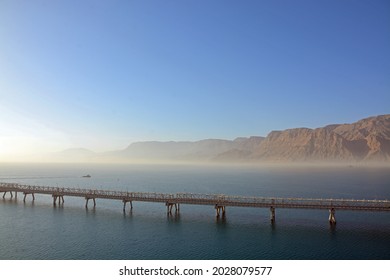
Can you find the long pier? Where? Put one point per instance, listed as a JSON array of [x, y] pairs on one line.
[[219, 201]]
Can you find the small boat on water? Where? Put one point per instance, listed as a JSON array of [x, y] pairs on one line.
[[87, 176]]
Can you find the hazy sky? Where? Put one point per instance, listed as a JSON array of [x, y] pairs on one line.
[[103, 74]]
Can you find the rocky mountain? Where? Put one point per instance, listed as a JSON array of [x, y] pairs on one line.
[[365, 140], [368, 139], [302, 144]]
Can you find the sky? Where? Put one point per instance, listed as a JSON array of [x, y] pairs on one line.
[[103, 74]]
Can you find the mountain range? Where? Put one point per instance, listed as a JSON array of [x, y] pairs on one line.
[[366, 140]]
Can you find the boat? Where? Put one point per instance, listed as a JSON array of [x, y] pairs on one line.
[[87, 176]]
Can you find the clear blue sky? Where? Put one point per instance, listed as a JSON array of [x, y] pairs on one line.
[[103, 74]]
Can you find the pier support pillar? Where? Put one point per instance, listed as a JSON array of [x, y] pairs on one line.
[[5, 192], [60, 199], [332, 216], [221, 211], [170, 206], [87, 199], [124, 205], [25, 194], [272, 214]]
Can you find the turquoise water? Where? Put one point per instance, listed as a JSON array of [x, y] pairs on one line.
[[37, 230]]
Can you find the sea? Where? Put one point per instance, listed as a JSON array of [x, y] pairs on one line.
[[37, 230]]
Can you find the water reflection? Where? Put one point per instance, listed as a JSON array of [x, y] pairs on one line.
[[90, 211], [173, 217], [129, 213], [332, 229], [221, 220]]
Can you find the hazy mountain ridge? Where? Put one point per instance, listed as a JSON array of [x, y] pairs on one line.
[[363, 141], [198, 150]]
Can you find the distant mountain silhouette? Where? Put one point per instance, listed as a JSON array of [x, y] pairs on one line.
[[186, 151], [363, 141]]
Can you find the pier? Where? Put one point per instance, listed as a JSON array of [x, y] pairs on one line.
[[219, 201]]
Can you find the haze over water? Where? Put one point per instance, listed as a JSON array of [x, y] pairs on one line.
[[40, 231]]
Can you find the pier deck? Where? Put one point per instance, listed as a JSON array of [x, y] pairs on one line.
[[219, 201]]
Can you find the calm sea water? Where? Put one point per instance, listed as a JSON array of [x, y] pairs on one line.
[[37, 230]]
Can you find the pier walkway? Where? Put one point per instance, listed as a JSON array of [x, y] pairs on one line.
[[219, 201]]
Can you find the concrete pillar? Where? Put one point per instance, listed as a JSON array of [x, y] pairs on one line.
[[25, 195], [60, 199], [124, 205], [272, 214], [219, 210], [170, 207], [332, 216], [5, 192], [87, 199]]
